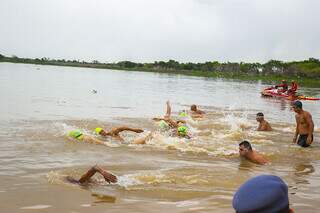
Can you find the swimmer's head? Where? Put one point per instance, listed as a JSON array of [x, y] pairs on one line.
[[193, 107], [244, 148], [76, 134], [183, 114], [98, 130], [163, 125], [259, 116], [182, 130]]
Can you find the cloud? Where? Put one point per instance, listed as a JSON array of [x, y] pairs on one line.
[[149, 30]]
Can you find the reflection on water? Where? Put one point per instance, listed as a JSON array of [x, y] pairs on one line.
[[167, 173]]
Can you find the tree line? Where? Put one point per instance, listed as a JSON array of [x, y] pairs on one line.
[[299, 69]]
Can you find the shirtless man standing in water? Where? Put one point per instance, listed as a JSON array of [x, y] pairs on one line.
[[304, 126], [246, 151]]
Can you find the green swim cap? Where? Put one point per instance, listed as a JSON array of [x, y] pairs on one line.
[[98, 130], [75, 133], [182, 130], [183, 114], [163, 125]]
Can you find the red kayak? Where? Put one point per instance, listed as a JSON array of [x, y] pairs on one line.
[[272, 92]]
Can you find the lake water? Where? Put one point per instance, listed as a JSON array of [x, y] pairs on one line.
[[40, 104]]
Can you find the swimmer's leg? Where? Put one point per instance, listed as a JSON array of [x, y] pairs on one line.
[[143, 140]]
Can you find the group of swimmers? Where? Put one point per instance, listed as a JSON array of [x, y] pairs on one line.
[[303, 137], [177, 128]]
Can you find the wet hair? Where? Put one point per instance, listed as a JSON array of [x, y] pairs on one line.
[[260, 114], [246, 144], [193, 107]]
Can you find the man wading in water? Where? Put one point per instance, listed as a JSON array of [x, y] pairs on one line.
[[263, 124], [304, 126]]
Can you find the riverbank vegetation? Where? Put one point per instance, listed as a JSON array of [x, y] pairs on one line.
[[306, 73]]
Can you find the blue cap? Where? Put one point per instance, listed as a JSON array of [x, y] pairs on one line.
[[297, 104], [261, 194]]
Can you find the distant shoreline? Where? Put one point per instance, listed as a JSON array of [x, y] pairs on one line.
[[306, 73]]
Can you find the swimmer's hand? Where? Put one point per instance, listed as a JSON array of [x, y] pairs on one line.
[[309, 140], [110, 178], [294, 140]]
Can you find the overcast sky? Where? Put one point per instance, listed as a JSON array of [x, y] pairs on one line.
[[150, 30]]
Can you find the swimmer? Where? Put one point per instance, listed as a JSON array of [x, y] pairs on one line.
[[263, 124], [85, 178], [167, 121], [195, 112], [246, 151], [182, 131], [304, 126], [77, 135], [115, 132]]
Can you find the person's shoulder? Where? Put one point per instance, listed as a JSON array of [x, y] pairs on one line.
[[307, 113]]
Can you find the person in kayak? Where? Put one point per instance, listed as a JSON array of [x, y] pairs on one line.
[[293, 89], [283, 85], [304, 126], [263, 124], [246, 151]]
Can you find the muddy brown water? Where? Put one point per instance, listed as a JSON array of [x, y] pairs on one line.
[[40, 104]]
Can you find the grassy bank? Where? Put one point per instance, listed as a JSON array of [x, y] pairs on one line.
[[306, 73]]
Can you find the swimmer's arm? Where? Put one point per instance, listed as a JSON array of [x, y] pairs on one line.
[[310, 124], [125, 128], [158, 119], [269, 128], [297, 131], [311, 128], [202, 112], [168, 113], [110, 178], [259, 127], [195, 115], [72, 139], [93, 140]]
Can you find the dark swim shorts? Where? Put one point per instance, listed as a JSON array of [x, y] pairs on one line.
[[302, 140]]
